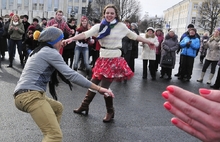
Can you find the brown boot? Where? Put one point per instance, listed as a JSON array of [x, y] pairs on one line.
[[85, 103], [110, 109]]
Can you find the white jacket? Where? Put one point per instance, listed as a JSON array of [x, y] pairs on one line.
[[147, 53]]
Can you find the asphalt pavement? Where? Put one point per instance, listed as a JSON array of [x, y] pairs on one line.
[[139, 112]]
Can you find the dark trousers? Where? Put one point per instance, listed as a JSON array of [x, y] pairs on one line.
[[167, 71], [187, 63], [151, 68], [179, 69], [129, 60], [157, 62], [206, 65], [217, 81]]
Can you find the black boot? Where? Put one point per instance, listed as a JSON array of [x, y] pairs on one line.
[[10, 63]]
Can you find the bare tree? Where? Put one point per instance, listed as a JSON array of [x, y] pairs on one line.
[[209, 11], [127, 8]]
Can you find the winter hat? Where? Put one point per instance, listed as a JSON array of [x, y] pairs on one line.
[[172, 30], [32, 28], [193, 29], [150, 28], [218, 29], [51, 35], [159, 30], [135, 25], [190, 26], [83, 18], [11, 14]]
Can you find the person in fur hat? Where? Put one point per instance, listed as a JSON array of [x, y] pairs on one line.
[[149, 54], [30, 91]]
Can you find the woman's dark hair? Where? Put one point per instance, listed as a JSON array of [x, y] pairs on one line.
[[71, 19]]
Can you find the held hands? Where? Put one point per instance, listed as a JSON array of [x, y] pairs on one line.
[[197, 115], [106, 92], [150, 44], [66, 41]]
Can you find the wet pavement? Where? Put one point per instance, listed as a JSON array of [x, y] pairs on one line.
[[139, 112]]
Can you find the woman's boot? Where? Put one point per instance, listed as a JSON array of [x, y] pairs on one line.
[[85, 103], [210, 78], [201, 78], [10, 63], [110, 109]]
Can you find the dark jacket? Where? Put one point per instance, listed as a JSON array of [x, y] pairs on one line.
[[169, 46]]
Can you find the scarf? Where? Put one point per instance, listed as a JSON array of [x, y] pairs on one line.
[[15, 23], [105, 28]]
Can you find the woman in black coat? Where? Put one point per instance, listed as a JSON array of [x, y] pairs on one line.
[[169, 46], [134, 52]]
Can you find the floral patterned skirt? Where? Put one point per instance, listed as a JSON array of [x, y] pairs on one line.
[[112, 68]]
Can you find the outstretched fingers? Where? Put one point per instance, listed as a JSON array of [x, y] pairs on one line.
[[193, 100]]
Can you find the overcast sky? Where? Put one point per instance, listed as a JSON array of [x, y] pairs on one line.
[[156, 7]]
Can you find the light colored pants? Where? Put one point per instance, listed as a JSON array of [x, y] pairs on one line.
[[45, 112]]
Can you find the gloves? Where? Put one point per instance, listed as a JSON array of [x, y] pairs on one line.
[[188, 44]]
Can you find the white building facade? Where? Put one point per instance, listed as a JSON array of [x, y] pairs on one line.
[[43, 8], [181, 15]]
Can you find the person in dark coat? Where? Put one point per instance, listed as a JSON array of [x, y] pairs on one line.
[[3, 40], [169, 47], [134, 51], [127, 45], [190, 45], [190, 26], [68, 50]]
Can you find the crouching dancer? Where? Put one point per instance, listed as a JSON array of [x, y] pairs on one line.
[[30, 91]]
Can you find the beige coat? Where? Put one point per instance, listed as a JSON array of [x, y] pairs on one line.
[[147, 53], [213, 52]]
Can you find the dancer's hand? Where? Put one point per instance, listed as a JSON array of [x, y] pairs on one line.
[[197, 115], [106, 92]]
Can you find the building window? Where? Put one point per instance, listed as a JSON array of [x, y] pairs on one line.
[[193, 20], [4, 4], [56, 4], [26, 4], [70, 9], [19, 5], [84, 9], [41, 5], [49, 5], [76, 0], [76, 9], [34, 4], [83, 0], [195, 6], [11, 3]]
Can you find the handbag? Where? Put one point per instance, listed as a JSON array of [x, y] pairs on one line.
[[167, 60]]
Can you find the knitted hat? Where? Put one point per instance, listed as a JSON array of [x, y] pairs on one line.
[[11, 14], [172, 30], [218, 29], [83, 18], [150, 28], [135, 25], [51, 35], [31, 27]]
